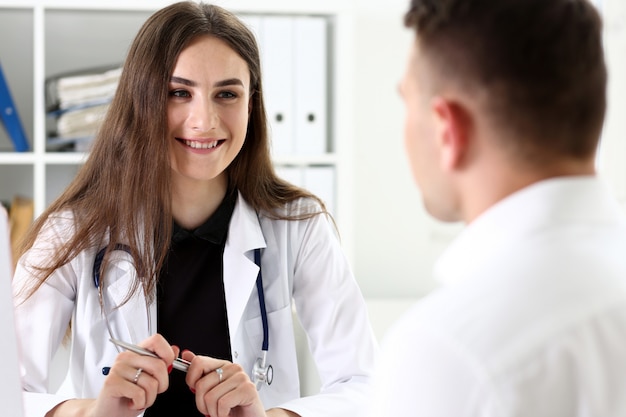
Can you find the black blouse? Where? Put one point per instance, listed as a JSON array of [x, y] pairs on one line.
[[191, 309]]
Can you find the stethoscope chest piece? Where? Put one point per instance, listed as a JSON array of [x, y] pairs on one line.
[[261, 373]]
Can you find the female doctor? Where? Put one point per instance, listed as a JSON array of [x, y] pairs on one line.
[[164, 238]]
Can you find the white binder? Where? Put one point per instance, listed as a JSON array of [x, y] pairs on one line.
[[10, 383], [320, 180], [278, 77], [291, 174], [310, 37]]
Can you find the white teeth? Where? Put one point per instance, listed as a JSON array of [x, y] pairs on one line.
[[200, 145]]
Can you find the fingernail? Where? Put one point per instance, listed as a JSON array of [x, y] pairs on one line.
[[169, 369], [192, 389]]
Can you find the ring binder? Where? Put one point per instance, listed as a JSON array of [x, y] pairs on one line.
[[10, 117]]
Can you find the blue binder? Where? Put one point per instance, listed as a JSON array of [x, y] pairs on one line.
[[10, 118]]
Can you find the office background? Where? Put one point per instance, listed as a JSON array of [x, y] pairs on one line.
[[388, 237]]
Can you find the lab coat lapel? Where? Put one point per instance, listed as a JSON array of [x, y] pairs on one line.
[[240, 271], [130, 321]]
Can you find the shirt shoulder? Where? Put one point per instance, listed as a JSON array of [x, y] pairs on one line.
[[424, 369]]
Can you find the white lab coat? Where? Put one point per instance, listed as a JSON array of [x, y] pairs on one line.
[[301, 261]]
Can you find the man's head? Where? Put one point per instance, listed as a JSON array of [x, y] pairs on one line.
[[530, 73]]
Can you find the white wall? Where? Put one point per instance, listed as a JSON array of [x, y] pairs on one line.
[[612, 158], [393, 235]]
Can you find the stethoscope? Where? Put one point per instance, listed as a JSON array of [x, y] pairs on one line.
[[261, 371]]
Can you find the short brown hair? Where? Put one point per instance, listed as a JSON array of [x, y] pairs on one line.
[[540, 62]]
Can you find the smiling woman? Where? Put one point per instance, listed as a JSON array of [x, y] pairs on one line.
[[215, 249], [208, 108]]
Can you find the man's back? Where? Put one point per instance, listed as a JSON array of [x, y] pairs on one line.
[[530, 320]]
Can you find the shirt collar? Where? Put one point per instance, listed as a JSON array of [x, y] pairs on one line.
[[215, 228], [544, 204]]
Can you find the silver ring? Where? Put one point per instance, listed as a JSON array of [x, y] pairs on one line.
[[219, 372], [136, 378]]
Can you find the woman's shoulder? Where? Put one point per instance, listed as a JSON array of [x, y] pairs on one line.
[[301, 208], [59, 228], [63, 222]]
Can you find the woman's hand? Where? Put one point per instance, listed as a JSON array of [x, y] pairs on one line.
[[127, 391], [135, 380], [230, 395]]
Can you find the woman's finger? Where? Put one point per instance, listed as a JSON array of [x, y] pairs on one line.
[[160, 347], [244, 397], [118, 387], [224, 389], [128, 364], [200, 366]]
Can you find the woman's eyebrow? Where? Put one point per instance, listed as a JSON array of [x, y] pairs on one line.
[[181, 80], [190, 83], [230, 81]]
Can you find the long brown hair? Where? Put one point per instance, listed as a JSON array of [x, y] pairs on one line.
[[122, 193]]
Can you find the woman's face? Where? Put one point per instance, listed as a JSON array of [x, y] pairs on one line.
[[208, 109]]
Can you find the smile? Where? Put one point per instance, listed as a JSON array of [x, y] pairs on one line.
[[201, 145]]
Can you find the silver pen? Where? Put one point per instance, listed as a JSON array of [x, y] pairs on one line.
[[180, 364]]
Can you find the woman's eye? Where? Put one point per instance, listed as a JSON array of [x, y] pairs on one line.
[[179, 93], [226, 94]]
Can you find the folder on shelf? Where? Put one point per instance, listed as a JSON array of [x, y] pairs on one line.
[[10, 117], [292, 174], [277, 46], [77, 102], [82, 88], [311, 85], [320, 180]]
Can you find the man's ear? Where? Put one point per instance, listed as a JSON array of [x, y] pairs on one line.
[[453, 124]]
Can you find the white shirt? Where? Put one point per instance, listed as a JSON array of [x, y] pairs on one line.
[[530, 319]]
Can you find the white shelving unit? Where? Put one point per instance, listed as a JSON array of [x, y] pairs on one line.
[[49, 37]]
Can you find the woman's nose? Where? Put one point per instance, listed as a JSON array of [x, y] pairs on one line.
[[203, 116]]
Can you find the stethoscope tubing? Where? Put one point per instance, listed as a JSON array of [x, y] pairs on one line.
[[261, 372], [261, 292]]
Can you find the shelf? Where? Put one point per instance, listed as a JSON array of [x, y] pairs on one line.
[[18, 158]]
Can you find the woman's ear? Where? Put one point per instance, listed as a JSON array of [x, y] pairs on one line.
[[250, 102], [453, 124]]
